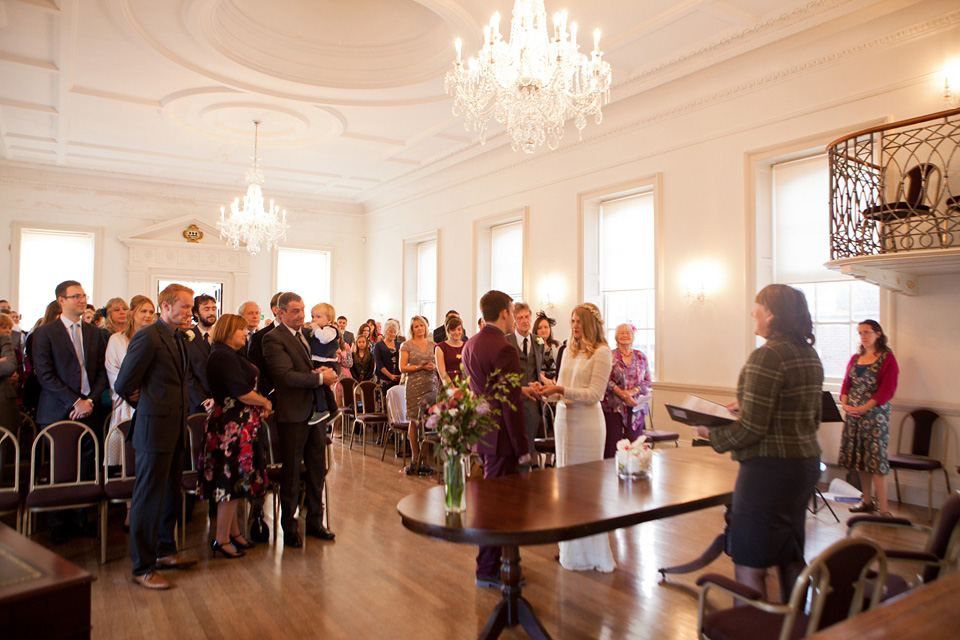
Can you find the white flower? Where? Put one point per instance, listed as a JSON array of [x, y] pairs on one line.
[[539, 340], [189, 335]]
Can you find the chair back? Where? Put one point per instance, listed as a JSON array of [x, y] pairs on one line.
[[367, 397], [128, 455], [9, 462], [62, 441], [196, 425], [836, 581], [922, 182], [344, 391], [397, 404], [272, 435], [945, 538], [923, 421]]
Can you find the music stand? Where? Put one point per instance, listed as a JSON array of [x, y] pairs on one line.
[[828, 413]]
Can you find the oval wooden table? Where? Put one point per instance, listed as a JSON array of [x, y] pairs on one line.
[[563, 504]]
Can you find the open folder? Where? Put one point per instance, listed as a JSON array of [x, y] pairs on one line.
[[697, 411]]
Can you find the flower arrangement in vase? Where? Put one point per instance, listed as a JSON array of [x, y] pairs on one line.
[[461, 417], [634, 458]]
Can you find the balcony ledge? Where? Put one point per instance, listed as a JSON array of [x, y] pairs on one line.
[[899, 272]]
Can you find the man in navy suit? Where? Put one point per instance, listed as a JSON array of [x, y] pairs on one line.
[[295, 378], [487, 354], [205, 312], [68, 356], [153, 378]]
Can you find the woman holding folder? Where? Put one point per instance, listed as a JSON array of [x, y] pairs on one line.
[[775, 440]]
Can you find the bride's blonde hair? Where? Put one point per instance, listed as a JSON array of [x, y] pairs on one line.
[[591, 330]]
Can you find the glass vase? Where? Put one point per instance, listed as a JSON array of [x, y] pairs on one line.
[[455, 481]]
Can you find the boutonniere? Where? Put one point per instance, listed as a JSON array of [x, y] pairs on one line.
[[538, 340], [189, 335]]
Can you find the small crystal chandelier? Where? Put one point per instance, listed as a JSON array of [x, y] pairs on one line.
[[252, 224], [532, 84]]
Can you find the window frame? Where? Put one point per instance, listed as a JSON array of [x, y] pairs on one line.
[[275, 257]]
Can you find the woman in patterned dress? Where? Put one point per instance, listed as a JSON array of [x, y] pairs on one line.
[[231, 466], [629, 381], [418, 361], [868, 386]]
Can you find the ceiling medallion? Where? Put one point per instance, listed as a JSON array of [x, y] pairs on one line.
[[252, 224], [533, 83]]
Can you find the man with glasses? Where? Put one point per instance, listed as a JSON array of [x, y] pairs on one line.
[[68, 357]]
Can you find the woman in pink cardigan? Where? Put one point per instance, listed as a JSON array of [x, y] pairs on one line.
[[868, 386]]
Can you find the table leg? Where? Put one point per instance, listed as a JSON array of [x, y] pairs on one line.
[[513, 609], [718, 546]]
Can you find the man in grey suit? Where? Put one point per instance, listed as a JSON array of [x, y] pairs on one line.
[[295, 380], [153, 378], [531, 360]]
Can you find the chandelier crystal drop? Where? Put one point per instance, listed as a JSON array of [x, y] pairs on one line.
[[533, 83], [252, 224]]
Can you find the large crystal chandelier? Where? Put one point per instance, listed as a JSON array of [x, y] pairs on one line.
[[533, 83], [252, 224]]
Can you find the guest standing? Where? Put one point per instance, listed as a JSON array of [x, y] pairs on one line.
[[629, 381], [449, 353], [114, 317], [255, 350], [288, 357], [486, 356], [531, 358], [775, 441], [543, 329], [868, 386], [417, 360], [363, 361], [387, 357], [198, 388], [579, 426], [231, 466], [9, 411], [153, 378]]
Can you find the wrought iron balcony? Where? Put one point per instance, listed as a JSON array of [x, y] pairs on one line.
[[896, 188]]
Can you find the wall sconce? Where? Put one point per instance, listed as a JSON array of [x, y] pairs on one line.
[[700, 279], [951, 83], [552, 290]]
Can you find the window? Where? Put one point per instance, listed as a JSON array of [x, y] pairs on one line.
[[199, 287], [506, 259], [627, 275], [40, 275], [427, 281], [305, 272], [801, 237]]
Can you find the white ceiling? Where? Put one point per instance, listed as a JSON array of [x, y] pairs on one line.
[[349, 92]]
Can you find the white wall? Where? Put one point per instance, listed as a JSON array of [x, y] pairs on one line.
[[698, 134]]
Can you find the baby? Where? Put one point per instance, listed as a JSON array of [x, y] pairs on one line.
[[324, 341]]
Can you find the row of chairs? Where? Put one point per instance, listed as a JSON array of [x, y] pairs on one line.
[[57, 482], [850, 576]]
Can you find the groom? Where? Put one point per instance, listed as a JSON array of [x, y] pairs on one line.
[[503, 448]]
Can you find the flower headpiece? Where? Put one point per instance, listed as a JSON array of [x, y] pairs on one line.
[[551, 321]]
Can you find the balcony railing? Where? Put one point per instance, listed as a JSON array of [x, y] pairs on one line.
[[896, 187]]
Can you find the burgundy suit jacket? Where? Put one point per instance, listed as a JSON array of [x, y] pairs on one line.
[[484, 353]]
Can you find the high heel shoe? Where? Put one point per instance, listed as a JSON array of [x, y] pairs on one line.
[[864, 507], [219, 548], [241, 544]]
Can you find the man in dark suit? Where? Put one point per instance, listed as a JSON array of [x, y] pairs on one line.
[[531, 361], [255, 351], [501, 449], [198, 350], [440, 333], [295, 380], [346, 335], [153, 378]]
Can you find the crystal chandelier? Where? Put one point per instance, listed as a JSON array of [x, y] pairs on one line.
[[252, 224], [532, 84]]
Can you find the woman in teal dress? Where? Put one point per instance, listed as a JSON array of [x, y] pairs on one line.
[[868, 386]]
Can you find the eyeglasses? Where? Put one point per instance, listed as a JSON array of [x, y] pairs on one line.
[[866, 333], [76, 296]]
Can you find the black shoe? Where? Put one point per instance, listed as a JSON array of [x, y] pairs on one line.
[[216, 547], [292, 539], [425, 470], [864, 507], [241, 544], [321, 532], [411, 469]]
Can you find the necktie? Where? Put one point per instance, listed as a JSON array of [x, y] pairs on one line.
[[524, 347], [206, 337], [76, 338], [304, 342], [178, 338]]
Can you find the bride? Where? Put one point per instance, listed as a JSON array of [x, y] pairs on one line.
[[579, 427]]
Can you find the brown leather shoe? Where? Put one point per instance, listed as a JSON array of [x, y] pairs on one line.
[[175, 562], [152, 580]]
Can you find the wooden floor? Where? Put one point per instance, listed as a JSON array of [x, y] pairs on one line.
[[378, 580]]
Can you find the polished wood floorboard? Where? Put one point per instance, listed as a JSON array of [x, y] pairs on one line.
[[378, 580]]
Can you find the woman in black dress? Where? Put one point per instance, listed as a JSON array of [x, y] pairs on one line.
[[386, 354], [363, 362], [232, 466]]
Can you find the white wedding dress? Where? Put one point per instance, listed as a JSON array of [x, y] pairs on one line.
[[580, 435]]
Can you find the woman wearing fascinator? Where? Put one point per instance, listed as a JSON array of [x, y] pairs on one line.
[[543, 330], [580, 430]]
